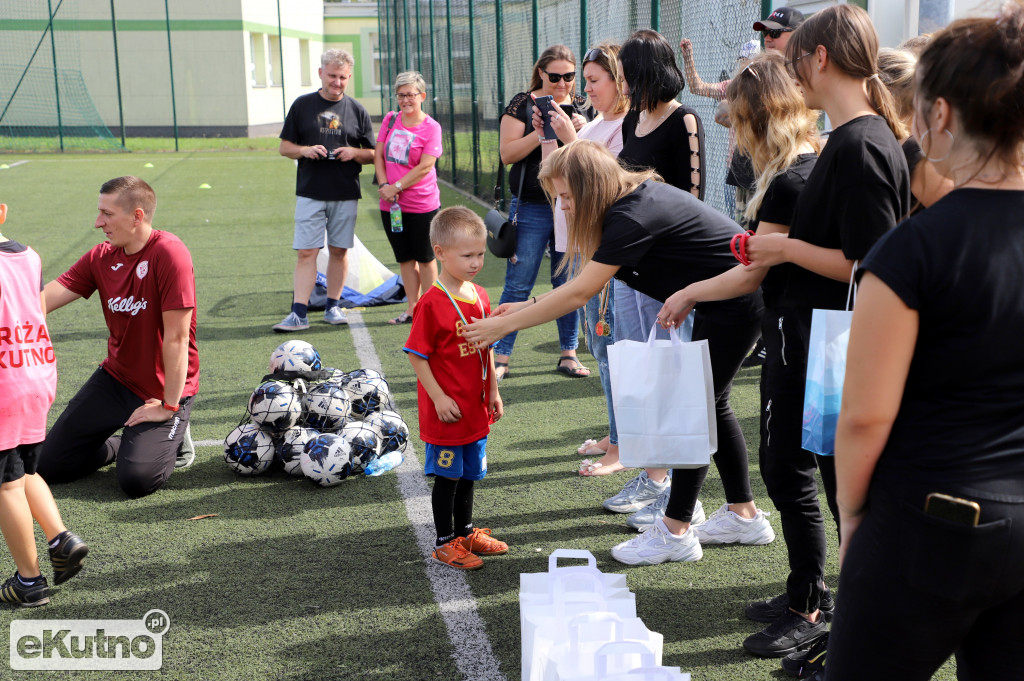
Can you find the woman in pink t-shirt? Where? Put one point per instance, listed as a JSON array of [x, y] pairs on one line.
[[408, 146]]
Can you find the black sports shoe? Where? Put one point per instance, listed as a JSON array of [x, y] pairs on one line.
[[16, 593], [757, 355], [67, 556], [786, 635], [805, 663], [771, 610]]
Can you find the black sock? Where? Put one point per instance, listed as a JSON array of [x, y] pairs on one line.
[[333, 302], [29, 581], [463, 510], [442, 501], [300, 309]]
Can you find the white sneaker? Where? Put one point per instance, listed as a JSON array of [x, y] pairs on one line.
[[637, 493], [658, 545], [725, 527], [646, 516], [292, 322], [335, 315]]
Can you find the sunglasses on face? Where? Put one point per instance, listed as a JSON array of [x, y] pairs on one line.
[[555, 77], [776, 33]]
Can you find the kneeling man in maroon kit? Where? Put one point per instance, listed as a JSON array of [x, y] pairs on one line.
[[146, 384]]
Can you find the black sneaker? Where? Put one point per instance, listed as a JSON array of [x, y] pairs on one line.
[[771, 610], [30, 596], [756, 356], [786, 635], [805, 663], [67, 556]]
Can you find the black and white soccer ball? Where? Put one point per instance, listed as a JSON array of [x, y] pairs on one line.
[[295, 355], [326, 459], [275, 406], [364, 443], [368, 394], [393, 431], [289, 448], [362, 373], [338, 377], [248, 450], [327, 407]]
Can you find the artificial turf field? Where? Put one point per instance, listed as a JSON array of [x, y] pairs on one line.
[[291, 581]]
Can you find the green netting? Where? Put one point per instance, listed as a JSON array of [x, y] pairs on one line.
[[476, 55], [43, 108]]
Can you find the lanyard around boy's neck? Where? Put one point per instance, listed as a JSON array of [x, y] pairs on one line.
[[480, 354]]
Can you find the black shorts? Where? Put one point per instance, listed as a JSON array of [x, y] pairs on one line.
[[18, 462], [413, 242]]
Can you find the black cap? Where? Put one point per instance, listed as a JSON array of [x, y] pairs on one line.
[[783, 17]]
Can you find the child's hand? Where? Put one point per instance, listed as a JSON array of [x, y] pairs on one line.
[[497, 407], [447, 410]]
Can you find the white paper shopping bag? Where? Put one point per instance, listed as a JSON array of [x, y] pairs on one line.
[[575, 661]]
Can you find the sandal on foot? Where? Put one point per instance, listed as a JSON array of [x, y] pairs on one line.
[[575, 371], [590, 448], [404, 318], [587, 467], [501, 365]]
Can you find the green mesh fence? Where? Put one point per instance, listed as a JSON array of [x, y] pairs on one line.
[[44, 107], [475, 55]]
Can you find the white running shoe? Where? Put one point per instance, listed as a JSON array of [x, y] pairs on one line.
[[637, 493], [646, 516], [725, 527], [335, 315], [658, 545], [292, 322]]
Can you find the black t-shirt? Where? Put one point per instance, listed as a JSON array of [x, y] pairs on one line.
[[778, 206], [859, 189], [663, 239], [666, 149], [345, 123], [12, 246], [960, 265], [521, 109], [913, 153], [741, 172]]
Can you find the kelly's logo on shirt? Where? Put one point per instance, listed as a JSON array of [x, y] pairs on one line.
[[24, 337], [129, 305]]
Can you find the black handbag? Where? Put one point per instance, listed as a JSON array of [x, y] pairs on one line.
[[501, 230]]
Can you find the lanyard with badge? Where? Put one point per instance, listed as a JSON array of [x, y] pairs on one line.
[[480, 354]]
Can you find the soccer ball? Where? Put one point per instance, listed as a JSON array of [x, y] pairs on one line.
[[361, 373], [289, 448], [393, 431], [294, 355], [275, 405], [327, 407], [326, 459], [368, 394], [338, 377], [248, 450], [364, 442]]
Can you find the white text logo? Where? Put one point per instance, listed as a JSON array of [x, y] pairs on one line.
[[89, 644], [129, 304]]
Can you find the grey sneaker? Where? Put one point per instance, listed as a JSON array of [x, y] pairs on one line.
[[187, 450], [726, 527], [648, 515], [658, 545], [335, 315], [292, 322], [638, 492]]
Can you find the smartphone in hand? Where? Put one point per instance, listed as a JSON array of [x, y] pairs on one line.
[[545, 104]]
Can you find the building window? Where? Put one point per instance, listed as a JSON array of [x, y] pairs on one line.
[[274, 61], [307, 75], [375, 58], [258, 55]]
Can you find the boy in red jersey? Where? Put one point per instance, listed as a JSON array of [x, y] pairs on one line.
[[28, 381], [456, 388]]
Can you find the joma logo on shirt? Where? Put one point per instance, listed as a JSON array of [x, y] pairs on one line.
[[129, 304]]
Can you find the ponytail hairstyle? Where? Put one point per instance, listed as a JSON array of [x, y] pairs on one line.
[[771, 120], [896, 68], [553, 53], [977, 65], [850, 39]]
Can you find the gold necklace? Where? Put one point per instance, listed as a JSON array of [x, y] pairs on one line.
[[653, 126]]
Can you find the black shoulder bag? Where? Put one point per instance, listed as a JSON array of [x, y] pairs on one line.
[[501, 230]]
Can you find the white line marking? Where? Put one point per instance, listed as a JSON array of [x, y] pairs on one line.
[[473, 654], [16, 164], [208, 443]]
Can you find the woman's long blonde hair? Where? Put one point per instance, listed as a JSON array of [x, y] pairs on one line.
[[595, 181], [771, 121]]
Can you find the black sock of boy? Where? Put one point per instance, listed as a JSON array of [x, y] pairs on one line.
[[442, 501], [463, 510]]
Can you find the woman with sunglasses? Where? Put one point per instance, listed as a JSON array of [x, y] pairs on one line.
[[858, 190], [930, 441], [604, 88], [519, 144], [408, 146]]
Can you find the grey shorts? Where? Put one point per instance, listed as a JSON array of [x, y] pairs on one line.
[[313, 219]]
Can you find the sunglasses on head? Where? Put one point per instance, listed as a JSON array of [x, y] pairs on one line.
[[555, 77], [776, 33], [594, 54]]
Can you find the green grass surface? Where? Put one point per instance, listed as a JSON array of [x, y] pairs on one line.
[[290, 581]]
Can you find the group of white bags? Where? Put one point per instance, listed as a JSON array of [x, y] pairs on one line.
[[579, 624]]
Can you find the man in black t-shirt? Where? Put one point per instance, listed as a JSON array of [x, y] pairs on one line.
[[331, 137]]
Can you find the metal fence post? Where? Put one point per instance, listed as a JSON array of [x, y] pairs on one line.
[[56, 81], [419, 33], [499, 29], [407, 64], [170, 63], [280, 62], [472, 97], [536, 30], [381, 33], [656, 15], [583, 29], [117, 70], [451, 89]]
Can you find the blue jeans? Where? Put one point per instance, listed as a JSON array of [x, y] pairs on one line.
[[598, 346], [535, 229], [636, 313]]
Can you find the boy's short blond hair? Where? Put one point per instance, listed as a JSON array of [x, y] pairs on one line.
[[454, 223]]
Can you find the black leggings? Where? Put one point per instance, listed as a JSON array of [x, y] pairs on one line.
[[74, 447], [413, 242], [730, 332]]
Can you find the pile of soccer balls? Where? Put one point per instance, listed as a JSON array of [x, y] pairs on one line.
[[327, 430]]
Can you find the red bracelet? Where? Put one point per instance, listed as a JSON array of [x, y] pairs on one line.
[[170, 408]]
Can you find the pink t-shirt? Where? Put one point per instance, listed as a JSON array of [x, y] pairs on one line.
[[608, 133], [403, 151]]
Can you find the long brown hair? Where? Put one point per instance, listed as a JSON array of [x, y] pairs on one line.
[[553, 53], [771, 120], [596, 181], [850, 39]]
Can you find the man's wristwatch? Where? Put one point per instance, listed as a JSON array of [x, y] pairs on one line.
[[398, 185], [171, 408]]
